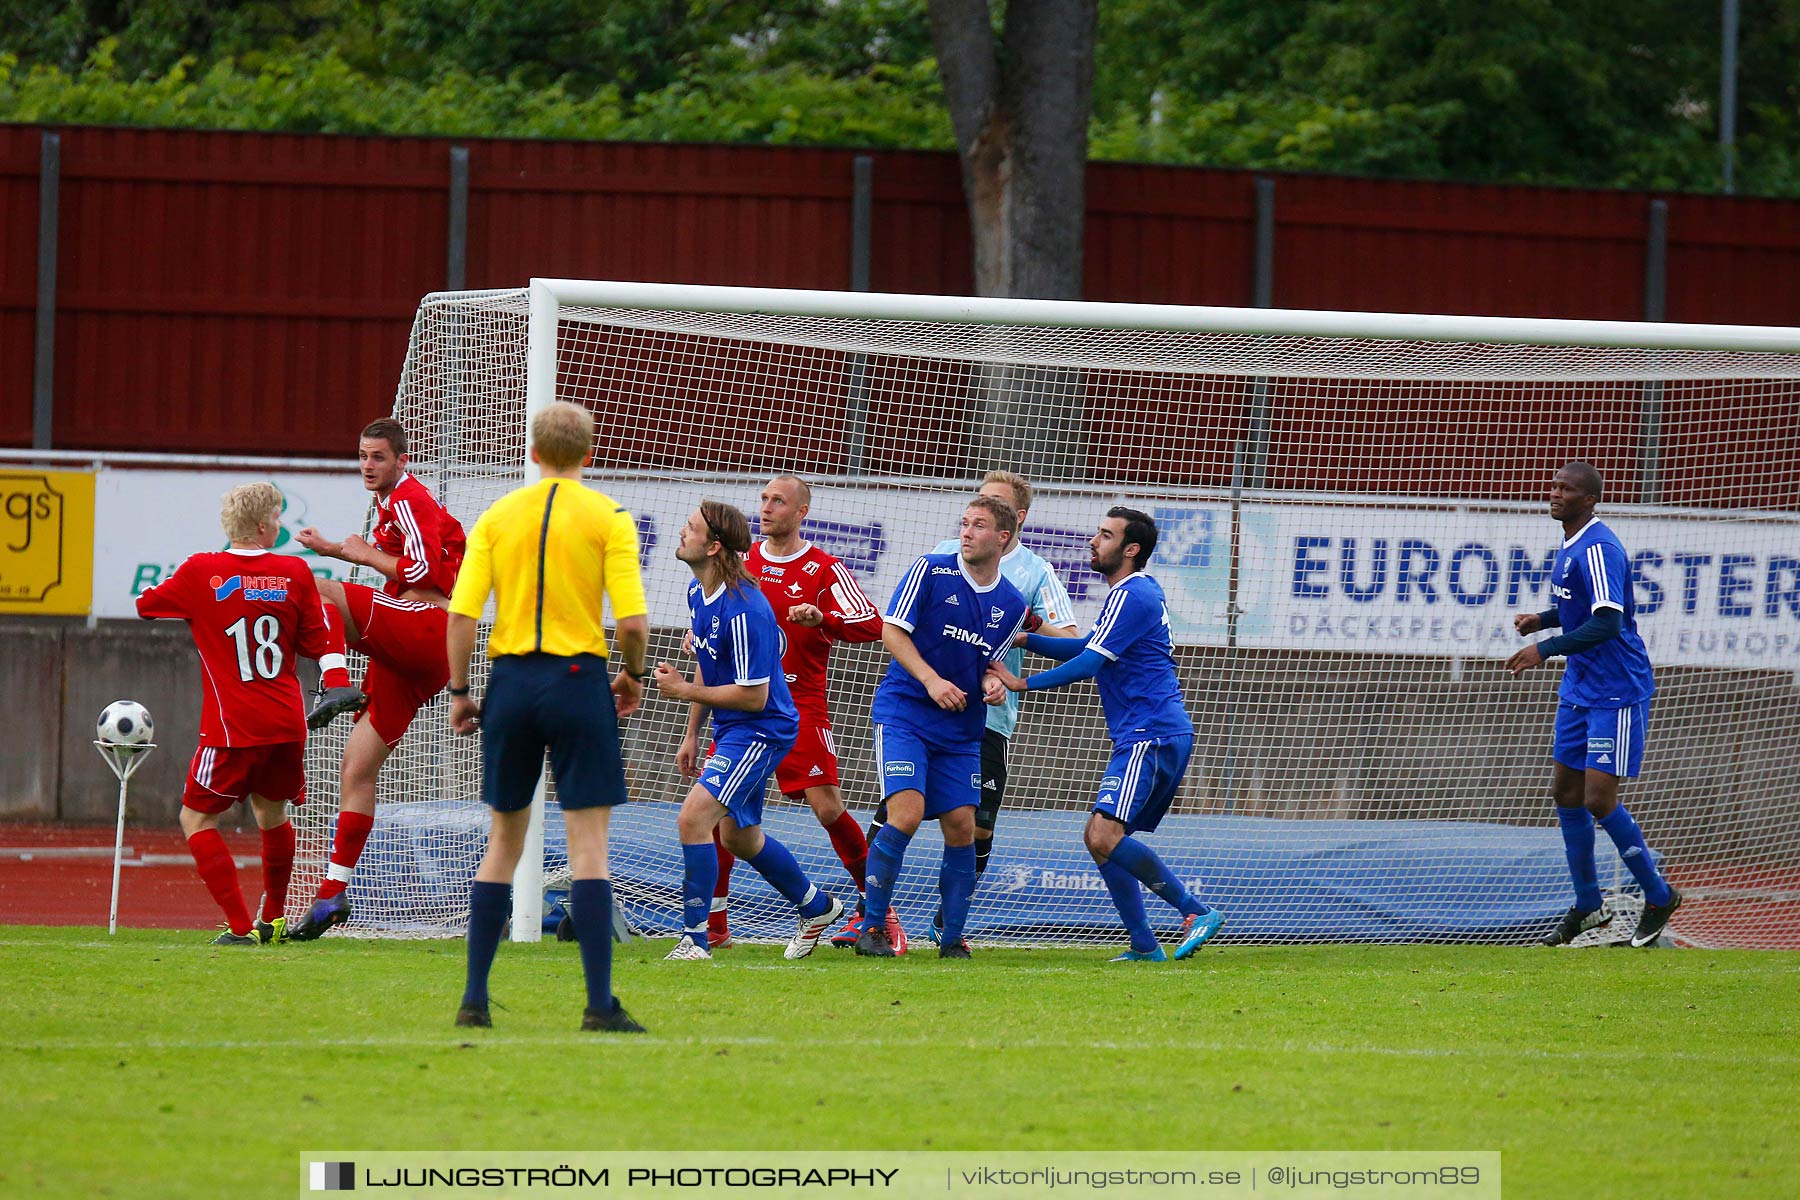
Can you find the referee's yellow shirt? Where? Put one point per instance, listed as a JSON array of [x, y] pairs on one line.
[[549, 551]]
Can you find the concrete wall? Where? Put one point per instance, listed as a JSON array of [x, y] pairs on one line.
[[58, 676]]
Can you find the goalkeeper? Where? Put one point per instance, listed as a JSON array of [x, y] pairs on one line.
[[1130, 655]]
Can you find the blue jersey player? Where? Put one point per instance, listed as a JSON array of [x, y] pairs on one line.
[[951, 616], [1131, 656], [1604, 706], [739, 680], [1048, 612]]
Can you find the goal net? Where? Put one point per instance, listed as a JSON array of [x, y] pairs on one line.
[[1351, 508]]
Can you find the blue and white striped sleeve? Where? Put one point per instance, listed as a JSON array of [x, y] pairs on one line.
[[1609, 576], [749, 661], [1119, 625], [903, 609]]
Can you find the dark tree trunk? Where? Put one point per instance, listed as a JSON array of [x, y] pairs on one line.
[[1019, 105]]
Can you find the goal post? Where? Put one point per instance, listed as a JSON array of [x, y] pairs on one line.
[[1351, 507]]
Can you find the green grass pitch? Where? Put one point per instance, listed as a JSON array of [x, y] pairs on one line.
[[152, 1064]]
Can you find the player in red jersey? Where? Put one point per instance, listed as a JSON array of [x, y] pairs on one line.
[[418, 547], [817, 604], [251, 613]]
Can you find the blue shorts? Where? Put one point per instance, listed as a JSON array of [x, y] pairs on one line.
[[538, 702], [737, 769], [949, 779], [1601, 739], [1141, 781]]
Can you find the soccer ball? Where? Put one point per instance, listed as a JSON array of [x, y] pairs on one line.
[[124, 723]]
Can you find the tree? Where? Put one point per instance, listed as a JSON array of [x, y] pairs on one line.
[[1019, 102]]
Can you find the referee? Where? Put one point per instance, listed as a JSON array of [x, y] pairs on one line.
[[548, 551]]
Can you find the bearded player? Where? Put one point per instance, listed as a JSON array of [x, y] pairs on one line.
[[417, 547], [817, 604]]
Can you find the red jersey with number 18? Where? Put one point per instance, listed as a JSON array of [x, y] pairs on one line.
[[250, 612]]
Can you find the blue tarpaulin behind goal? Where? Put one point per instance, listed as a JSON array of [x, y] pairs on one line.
[[1276, 880]]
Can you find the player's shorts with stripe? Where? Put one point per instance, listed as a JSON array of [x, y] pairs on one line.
[[737, 769], [220, 776], [811, 763], [1141, 780], [949, 778], [563, 704], [1601, 739], [404, 640]]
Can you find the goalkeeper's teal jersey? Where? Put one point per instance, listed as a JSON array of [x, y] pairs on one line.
[[1044, 595]]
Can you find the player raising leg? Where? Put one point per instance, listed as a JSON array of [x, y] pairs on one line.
[[417, 547]]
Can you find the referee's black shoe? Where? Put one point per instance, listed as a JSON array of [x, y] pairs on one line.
[[1576, 922], [615, 1021], [333, 702], [873, 941], [1654, 917]]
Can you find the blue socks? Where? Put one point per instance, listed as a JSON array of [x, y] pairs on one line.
[[490, 904], [592, 901], [886, 854], [1130, 902], [1142, 862], [775, 863], [1630, 840], [956, 885], [699, 876], [1578, 848]]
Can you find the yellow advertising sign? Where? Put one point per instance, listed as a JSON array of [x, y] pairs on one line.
[[46, 542]]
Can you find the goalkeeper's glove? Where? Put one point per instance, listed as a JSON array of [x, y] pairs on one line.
[[1032, 622]]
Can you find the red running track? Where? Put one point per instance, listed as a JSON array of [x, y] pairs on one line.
[[158, 888]]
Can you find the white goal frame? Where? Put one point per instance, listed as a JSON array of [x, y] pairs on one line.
[[548, 297]]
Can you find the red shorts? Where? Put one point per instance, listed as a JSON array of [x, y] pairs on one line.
[[220, 776], [811, 763], [404, 640]]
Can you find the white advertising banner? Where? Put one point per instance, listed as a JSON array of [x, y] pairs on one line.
[[1332, 578], [146, 522], [1708, 593]]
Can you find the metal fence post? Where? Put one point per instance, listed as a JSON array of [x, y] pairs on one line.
[[43, 373], [456, 272], [856, 366], [1254, 451], [1656, 273]]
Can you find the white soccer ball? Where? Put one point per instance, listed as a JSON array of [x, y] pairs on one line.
[[124, 723]]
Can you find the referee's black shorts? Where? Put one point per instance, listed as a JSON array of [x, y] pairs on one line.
[[538, 702]]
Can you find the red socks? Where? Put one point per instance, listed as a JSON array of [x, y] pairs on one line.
[[346, 847], [219, 873], [851, 846], [278, 868]]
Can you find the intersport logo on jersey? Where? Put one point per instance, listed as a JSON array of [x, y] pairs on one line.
[[254, 587]]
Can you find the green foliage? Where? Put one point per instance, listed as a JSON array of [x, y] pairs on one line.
[[1581, 92], [888, 106], [152, 1038]]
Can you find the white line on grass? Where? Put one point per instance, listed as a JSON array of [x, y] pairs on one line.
[[448, 1040]]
